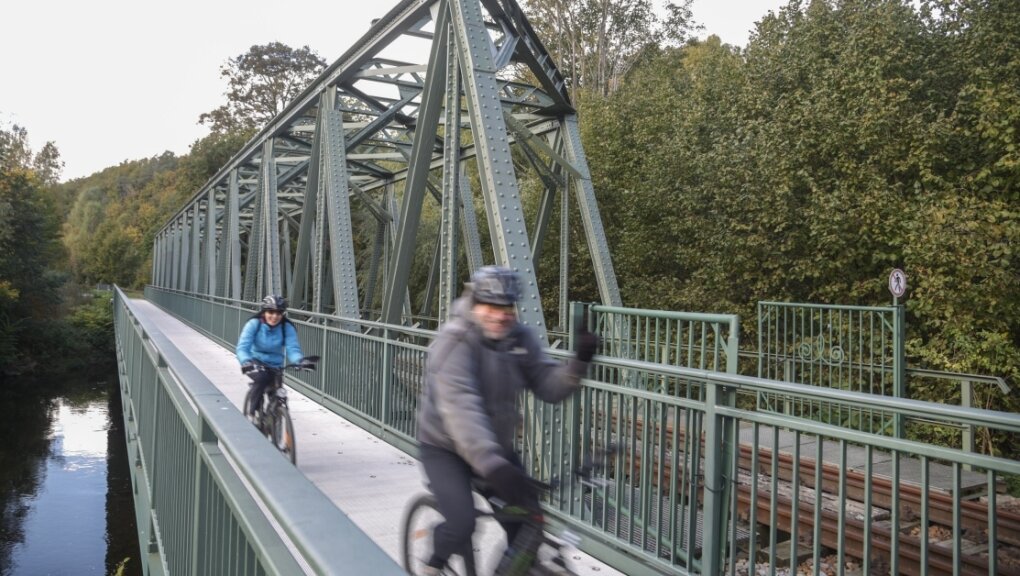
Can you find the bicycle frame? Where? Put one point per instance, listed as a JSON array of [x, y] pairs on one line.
[[273, 418], [516, 561], [589, 474]]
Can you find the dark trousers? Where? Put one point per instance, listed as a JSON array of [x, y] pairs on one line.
[[450, 481], [260, 381]]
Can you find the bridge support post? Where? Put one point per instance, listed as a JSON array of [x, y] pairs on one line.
[[719, 439]]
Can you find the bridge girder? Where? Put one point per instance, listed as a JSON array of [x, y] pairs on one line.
[[291, 212]]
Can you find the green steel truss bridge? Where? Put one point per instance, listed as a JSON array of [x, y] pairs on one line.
[[443, 140], [434, 116]]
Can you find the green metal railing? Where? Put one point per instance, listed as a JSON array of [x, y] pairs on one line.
[[856, 348], [950, 387], [700, 483], [208, 488], [688, 339]]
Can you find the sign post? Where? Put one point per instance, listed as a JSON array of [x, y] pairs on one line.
[[898, 287]]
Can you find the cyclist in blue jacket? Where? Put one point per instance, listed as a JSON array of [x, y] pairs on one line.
[[268, 339]]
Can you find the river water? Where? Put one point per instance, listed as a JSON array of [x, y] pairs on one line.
[[65, 490]]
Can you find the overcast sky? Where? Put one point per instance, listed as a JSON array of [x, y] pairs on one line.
[[116, 80]]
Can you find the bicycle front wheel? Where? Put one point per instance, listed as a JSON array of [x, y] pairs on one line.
[[246, 410], [283, 433], [421, 519], [247, 402]]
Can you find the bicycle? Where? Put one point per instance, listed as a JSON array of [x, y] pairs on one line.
[[538, 555], [273, 418], [533, 552]]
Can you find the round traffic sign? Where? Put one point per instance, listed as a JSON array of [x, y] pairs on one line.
[[897, 282]]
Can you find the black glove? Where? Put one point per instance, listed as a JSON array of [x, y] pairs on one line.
[[306, 364], [512, 485], [247, 367], [585, 344]]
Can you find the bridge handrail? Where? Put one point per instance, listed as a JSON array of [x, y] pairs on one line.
[[944, 413], [234, 455]]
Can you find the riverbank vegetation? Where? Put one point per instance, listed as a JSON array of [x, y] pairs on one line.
[[49, 324], [847, 138]]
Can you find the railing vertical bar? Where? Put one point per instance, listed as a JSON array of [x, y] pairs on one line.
[[666, 422], [993, 522], [693, 465], [817, 528], [675, 481], [753, 507], [894, 519], [957, 526], [841, 526], [925, 506], [690, 357], [648, 458], [732, 483], [701, 351], [607, 431], [795, 502], [869, 470], [773, 501]]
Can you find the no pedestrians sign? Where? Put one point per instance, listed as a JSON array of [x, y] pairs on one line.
[[897, 283]]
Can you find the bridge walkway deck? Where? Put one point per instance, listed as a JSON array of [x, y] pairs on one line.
[[368, 479]]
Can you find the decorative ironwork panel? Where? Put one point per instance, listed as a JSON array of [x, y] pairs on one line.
[[853, 348]]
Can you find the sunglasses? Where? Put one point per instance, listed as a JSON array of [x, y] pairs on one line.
[[275, 312]]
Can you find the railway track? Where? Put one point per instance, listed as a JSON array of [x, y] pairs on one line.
[[868, 531], [871, 532]]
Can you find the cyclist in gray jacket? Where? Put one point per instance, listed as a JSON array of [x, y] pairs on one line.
[[479, 363]]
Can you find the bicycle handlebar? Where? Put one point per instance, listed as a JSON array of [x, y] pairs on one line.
[[595, 462], [307, 363]]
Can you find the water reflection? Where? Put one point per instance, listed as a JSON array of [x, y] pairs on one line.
[[68, 511], [66, 495], [24, 447]]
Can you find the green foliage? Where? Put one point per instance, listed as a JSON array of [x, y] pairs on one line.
[[92, 337], [261, 82], [15, 153], [595, 42], [116, 213], [1013, 485], [30, 253], [850, 137], [102, 247]]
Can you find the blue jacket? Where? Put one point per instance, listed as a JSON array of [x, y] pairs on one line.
[[261, 342]]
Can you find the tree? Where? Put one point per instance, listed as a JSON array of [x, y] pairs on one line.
[[848, 138], [15, 152], [595, 42], [261, 82], [29, 284], [110, 227]]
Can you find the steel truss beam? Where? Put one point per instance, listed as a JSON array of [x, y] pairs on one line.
[[457, 101]]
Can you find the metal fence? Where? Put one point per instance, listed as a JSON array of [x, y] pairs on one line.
[[700, 483], [855, 348], [209, 491]]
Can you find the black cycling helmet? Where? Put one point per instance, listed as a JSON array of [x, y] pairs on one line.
[[274, 302], [495, 285]]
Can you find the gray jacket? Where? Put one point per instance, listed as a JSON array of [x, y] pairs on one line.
[[469, 404]]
